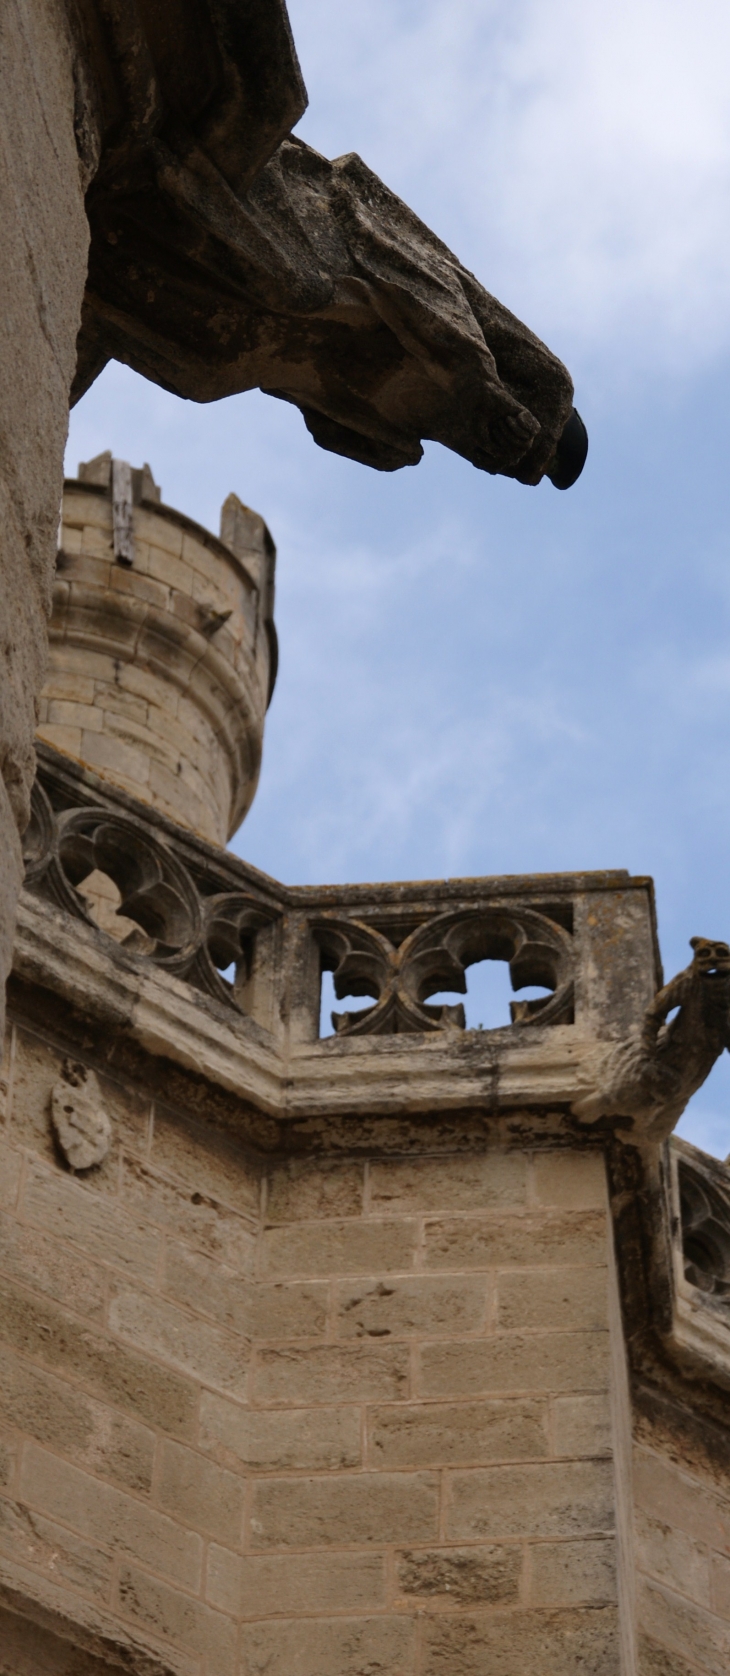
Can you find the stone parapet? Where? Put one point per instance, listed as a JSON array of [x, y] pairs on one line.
[[331, 1345], [162, 648], [224, 966]]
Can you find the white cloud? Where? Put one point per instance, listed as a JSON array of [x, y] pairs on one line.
[[577, 155]]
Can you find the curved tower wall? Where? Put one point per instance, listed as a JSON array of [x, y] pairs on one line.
[[162, 647]]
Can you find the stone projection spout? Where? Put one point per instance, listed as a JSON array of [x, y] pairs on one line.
[[156, 208], [227, 255], [648, 1077]]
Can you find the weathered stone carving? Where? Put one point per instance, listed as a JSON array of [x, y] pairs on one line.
[[336, 298], [226, 254], [401, 976], [650, 1076], [153, 179], [705, 1213], [80, 1122], [187, 932], [168, 898]]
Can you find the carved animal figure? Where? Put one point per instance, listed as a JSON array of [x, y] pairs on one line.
[[226, 254], [651, 1075]]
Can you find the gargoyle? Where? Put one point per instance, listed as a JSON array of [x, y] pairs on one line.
[[649, 1077], [226, 254]]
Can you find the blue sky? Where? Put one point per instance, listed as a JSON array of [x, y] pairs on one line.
[[478, 677]]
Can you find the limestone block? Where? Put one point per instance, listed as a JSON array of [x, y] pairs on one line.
[[306, 1189], [581, 1425], [330, 1647], [180, 1340], [38, 1260], [202, 1493], [536, 1362], [64, 1418], [571, 1642], [338, 1248], [331, 1373], [471, 1243], [259, 1585], [10, 1167], [260, 1311], [178, 1618], [494, 1179], [61, 1556], [62, 737], [488, 1575], [367, 1508], [719, 1586], [569, 1498], [106, 1516], [141, 585], [107, 754], [8, 1460], [206, 1159], [69, 713], [573, 1573], [40, 1327], [450, 1434], [570, 1180], [555, 1297], [193, 1217], [107, 1230], [675, 1499], [429, 1306], [689, 1632], [308, 1439], [674, 1559]]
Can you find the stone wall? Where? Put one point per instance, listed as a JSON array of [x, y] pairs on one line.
[[683, 1558], [325, 1415], [161, 668], [43, 255]]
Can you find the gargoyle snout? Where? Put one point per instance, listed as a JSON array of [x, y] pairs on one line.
[[570, 455]]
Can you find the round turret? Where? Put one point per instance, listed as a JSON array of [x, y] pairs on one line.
[[162, 647]]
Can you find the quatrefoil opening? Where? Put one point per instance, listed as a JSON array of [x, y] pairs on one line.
[[108, 869], [399, 975]]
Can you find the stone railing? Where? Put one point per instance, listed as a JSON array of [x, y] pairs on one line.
[[158, 895]]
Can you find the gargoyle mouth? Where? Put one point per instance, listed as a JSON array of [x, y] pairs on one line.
[[570, 455], [711, 959]]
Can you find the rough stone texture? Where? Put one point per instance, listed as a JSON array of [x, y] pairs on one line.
[[335, 296], [306, 1492], [648, 1079], [160, 669], [322, 1367], [683, 1555], [42, 273]]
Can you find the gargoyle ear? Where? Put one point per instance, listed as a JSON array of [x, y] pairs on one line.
[[695, 942]]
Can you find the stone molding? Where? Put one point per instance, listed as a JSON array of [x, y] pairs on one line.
[[188, 908]]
